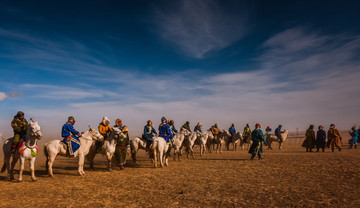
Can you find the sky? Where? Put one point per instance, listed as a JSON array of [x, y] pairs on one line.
[[293, 63]]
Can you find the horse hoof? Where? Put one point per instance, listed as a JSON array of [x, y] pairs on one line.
[[34, 180]]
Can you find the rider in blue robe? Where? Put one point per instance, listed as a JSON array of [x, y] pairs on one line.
[[165, 132], [149, 132], [257, 137], [70, 136], [232, 132]]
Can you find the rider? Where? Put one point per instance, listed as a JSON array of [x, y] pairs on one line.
[[232, 131], [165, 132], [268, 130], [215, 131], [257, 138], [186, 126], [104, 130], [19, 125], [278, 132], [172, 127], [197, 128], [71, 136], [149, 132], [247, 131]]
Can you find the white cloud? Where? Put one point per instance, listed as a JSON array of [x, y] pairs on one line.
[[3, 96], [200, 27]]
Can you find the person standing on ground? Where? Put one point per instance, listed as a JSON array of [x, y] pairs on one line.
[[334, 138], [354, 137], [309, 141], [320, 139], [257, 137]]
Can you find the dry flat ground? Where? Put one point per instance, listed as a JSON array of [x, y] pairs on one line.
[[285, 178]]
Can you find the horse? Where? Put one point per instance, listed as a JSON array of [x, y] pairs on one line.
[[27, 151], [206, 139], [273, 138], [160, 148], [235, 139], [136, 144], [220, 140], [55, 147], [246, 140], [189, 144], [108, 149], [179, 141]]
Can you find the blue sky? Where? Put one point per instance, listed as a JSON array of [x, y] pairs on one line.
[[281, 62]]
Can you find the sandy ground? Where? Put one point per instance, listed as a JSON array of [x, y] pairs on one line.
[[285, 178]]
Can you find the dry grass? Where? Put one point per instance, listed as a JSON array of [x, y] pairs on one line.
[[285, 178]]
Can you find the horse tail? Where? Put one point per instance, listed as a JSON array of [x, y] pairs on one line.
[[47, 157], [133, 151]]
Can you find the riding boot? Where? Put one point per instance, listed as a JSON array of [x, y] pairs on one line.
[[12, 150], [168, 153]]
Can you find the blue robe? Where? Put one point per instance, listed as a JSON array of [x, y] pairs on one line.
[[148, 132], [69, 133], [257, 137], [355, 135], [232, 130], [165, 132], [320, 138]]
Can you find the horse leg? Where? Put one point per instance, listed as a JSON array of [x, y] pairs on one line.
[[90, 158], [155, 159], [161, 155], [108, 157], [81, 164], [32, 168], [50, 162], [6, 165], [22, 164], [280, 144], [13, 163]]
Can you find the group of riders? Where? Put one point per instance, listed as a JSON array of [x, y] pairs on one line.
[[167, 131]]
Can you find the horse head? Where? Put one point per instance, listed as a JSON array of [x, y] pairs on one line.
[[35, 130], [95, 135], [118, 133], [185, 132]]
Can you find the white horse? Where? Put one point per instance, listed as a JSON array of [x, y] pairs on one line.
[[247, 141], [235, 139], [206, 139], [136, 144], [108, 149], [179, 141], [273, 138], [189, 144], [27, 151], [160, 148], [55, 147], [220, 140]]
